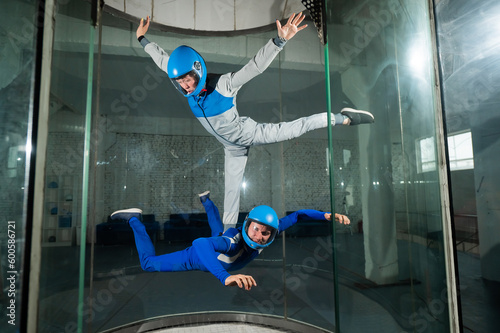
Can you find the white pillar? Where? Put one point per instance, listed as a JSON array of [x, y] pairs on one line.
[[377, 199]]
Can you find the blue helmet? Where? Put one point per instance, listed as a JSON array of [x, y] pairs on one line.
[[263, 216], [183, 61]]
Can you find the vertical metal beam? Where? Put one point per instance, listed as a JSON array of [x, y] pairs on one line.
[[94, 146], [332, 189], [34, 208], [86, 158], [450, 253], [330, 167]]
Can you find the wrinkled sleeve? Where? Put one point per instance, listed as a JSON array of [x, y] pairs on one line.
[[159, 56], [208, 249], [289, 220], [230, 83]]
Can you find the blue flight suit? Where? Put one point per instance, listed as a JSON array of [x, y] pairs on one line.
[[217, 254]]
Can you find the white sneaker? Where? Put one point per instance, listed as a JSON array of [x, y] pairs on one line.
[[127, 214], [204, 196]]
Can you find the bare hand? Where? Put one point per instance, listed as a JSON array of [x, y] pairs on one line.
[[243, 281], [143, 27], [291, 27], [338, 217], [342, 219]]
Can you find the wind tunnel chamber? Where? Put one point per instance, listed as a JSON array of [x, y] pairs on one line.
[[145, 149]]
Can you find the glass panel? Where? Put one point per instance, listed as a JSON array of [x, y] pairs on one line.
[[62, 217], [470, 68], [17, 36], [392, 267], [155, 155]]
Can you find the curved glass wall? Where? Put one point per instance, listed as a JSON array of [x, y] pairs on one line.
[[19, 85], [147, 150], [469, 65], [383, 53]]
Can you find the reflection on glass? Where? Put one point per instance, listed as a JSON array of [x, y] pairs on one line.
[[460, 150], [62, 216], [18, 32], [393, 265], [468, 50], [426, 158]]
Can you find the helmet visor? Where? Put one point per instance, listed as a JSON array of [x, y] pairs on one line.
[[188, 82], [260, 233]]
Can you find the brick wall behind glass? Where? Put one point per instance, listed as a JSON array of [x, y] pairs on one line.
[[162, 174]]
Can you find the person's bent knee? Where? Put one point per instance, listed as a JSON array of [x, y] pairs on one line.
[[148, 266]]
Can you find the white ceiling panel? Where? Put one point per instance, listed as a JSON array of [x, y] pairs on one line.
[[210, 15], [291, 7], [251, 14], [214, 15], [116, 4], [174, 13], [138, 8]]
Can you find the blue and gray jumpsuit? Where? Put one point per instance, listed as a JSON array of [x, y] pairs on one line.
[[215, 108], [217, 254]]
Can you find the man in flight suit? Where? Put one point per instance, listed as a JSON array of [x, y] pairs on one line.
[[221, 253], [212, 99]]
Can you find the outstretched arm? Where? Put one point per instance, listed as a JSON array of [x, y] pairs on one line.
[[207, 250], [159, 56], [289, 220], [229, 85]]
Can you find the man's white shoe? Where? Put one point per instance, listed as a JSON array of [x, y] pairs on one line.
[[204, 196], [127, 214]]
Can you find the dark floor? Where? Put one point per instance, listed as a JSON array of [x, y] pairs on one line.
[[122, 293]]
